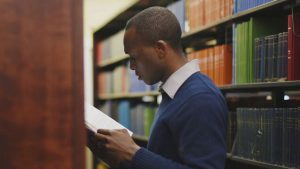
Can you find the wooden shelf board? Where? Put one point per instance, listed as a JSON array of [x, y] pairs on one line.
[[127, 95], [113, 60], [266, 86], [257, 163]]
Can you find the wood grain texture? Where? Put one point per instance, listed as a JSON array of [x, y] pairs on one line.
[[41, 84]]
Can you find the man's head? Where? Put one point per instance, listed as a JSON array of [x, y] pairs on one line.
[[151, 37]]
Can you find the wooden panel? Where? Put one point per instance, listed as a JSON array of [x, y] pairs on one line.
[[41, 84]]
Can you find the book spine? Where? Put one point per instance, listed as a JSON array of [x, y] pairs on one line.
[[290, 48]]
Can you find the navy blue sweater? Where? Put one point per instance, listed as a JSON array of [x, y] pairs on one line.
[[189, 131]]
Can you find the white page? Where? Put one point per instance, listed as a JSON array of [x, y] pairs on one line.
[[96, 119]]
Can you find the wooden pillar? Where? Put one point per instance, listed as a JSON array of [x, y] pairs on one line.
[[41, 84]]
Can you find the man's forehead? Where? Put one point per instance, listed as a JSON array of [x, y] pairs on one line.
[[130, 38]]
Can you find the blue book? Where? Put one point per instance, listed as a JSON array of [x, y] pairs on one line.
[[279, 57], [262, 60], [285, 54], [275, 56], [124, 113]]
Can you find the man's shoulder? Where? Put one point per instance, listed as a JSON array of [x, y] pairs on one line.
[[198, 86], [198, 83]]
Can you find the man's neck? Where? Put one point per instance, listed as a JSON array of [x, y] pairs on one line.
[[174, 63]]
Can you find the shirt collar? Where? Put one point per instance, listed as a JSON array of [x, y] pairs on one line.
[[176, 79]]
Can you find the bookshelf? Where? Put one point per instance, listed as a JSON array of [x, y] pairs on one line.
[[261, 95], [128, 95]]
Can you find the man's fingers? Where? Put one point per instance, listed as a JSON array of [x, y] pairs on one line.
[[109, 132], [122, 130], [102, 138], [104, 131]]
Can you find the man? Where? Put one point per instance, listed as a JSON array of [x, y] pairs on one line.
[[189, 129]]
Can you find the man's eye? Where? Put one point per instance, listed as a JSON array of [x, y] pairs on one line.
[[132, 59]]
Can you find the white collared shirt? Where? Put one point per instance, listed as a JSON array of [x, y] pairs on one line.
[[174, 82]]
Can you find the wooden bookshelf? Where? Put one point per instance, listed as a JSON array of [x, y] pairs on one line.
[[221, 32], [42, 93]]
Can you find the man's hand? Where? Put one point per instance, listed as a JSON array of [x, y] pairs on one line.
[[117, 142]]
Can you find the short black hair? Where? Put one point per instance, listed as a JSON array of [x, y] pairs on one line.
[[157, 23]]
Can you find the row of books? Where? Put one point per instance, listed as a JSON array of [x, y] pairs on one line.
[[261, 51], [271, 58], [122, 80], [242, 5], [244, 35], [109, 48], [137, 117], [216, 62], [275, 56], [270, 135], [204, 12]]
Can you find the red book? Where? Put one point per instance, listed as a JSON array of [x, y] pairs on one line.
[[98, 53], [294, 47], [217, 65], [227, 64]]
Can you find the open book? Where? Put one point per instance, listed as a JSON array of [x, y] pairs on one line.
[[96, 119]]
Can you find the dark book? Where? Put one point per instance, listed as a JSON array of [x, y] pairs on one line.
[[285, 55], [280, 56], [269, 56], [255, 60], [274, 56], [263, 60], [276, 137]]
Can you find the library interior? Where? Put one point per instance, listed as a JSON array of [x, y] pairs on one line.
[[238, 69]]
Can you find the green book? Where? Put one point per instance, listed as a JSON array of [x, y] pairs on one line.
[[148, 120]]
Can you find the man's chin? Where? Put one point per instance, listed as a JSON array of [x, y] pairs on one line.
[[149, 82]]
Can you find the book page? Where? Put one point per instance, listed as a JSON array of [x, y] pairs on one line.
[[96, 119]]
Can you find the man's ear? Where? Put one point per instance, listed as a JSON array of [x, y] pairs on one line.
[[161, 48]]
